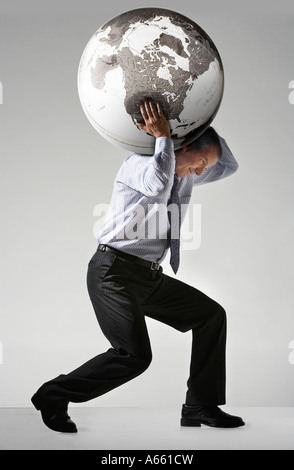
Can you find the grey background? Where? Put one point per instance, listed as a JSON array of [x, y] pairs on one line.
[[55, 168]]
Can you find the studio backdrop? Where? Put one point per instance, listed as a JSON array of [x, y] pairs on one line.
[[57, 177]]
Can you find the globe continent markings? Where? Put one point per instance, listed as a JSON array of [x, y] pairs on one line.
[[163, 56]]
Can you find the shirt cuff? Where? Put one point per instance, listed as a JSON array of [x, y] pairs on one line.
[[164, 157], [164, 144]]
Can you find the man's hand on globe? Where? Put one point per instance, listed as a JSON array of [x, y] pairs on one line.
[[155, 122]]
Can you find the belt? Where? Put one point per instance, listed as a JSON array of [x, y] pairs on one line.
[[131, 258]]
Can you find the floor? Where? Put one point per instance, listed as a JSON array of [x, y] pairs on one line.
[[146, 428]]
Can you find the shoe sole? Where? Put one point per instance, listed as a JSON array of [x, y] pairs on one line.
[[197, 423], [190, 422]]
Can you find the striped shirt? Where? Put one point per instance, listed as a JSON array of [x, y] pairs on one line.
[[137, 219]]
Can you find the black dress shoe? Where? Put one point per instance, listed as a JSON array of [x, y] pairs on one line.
[[209, 415], [55, 416]]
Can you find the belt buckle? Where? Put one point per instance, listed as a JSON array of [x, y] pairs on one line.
[[154, 266]]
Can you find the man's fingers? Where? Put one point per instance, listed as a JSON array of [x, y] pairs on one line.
[[153, 112], [159, 110], [143, 112], [139, 124], [148, 110], [155, 122]]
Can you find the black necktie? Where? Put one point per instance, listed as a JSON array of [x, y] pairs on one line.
[[174, 217]]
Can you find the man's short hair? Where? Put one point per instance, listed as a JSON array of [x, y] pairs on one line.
[[207, 139]]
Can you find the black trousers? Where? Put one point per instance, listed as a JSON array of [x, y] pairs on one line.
[[122, 294]]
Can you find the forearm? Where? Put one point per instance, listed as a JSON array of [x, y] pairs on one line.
[[228, 161], [159, 172], [149, 175], [155, 177], [225, 167]]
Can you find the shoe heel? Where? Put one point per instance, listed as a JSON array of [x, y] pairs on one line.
[[35, 402], [190, 422]]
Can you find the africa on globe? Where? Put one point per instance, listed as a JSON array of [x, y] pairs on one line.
[[150, 53]]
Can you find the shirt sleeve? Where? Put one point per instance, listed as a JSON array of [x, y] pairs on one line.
[[150, 175], [226, 166]]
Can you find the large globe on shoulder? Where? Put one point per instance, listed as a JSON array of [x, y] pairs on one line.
[[150, 53]]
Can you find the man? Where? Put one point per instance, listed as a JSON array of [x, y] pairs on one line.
[[126, 282]]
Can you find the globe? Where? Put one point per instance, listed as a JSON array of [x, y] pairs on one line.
[[156, 54]]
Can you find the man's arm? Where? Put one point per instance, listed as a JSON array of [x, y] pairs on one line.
[[226, 166], [151, 175]]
